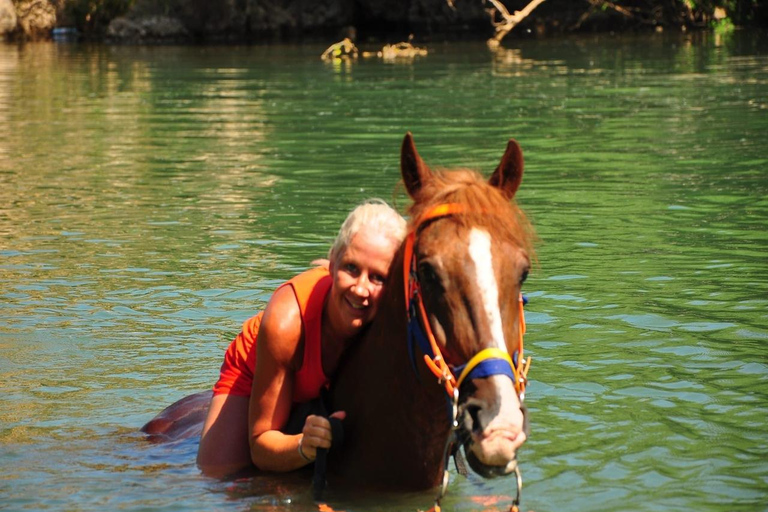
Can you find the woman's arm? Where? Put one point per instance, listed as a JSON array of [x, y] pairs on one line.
[[279, 355]]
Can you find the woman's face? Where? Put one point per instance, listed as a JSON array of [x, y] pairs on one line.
[[359, 274]]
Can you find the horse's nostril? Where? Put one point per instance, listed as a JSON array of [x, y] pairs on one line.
[[472, 421]]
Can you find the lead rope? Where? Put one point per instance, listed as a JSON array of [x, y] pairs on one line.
[[449, 447]]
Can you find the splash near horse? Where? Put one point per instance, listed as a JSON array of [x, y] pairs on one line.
[[441, 366]]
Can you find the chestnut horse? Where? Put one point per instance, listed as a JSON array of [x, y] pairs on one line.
[[441, 365], [456, 280]]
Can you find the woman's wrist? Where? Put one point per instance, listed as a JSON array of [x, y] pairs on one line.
[[301, 452]]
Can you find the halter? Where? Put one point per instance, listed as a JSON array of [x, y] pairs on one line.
[[487, 362]]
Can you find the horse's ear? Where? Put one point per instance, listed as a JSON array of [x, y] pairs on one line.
[[509, 173], [413, 169]]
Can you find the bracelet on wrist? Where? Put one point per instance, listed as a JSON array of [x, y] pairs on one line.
[[301, 452]]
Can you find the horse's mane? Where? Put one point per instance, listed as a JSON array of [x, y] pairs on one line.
[[486, 206]]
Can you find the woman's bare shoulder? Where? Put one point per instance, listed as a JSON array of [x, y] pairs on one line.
[[281, 328]]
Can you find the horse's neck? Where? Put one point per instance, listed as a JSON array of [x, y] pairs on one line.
[[386, 344], [395, 416]]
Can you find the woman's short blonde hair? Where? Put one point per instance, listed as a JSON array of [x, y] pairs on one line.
[[375, 215]]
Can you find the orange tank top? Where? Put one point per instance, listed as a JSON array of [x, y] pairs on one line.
[[310, 288]]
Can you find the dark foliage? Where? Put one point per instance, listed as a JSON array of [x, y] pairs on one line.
[[254, 19]]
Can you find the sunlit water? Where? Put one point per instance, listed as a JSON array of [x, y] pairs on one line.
[[152, 198]]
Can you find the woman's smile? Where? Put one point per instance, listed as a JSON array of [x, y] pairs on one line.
[[359, 274]]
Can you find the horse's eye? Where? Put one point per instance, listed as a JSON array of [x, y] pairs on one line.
[[427, 273], [524, 276]]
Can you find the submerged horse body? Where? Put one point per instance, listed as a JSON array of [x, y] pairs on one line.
[[467, 259]]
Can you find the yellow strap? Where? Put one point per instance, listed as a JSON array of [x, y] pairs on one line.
[[487, 353], [437, 364]]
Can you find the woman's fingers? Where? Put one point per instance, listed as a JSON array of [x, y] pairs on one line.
[[339, 414], [317, 433], [321, 262]]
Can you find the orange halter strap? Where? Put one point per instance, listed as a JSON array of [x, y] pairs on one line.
[[490, 361]]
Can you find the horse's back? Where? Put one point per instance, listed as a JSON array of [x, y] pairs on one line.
[[181, 420]]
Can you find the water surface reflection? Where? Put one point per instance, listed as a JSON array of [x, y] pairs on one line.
[[151, 198]]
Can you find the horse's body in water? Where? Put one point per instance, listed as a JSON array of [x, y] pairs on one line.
[[181, 420], [461, 268]]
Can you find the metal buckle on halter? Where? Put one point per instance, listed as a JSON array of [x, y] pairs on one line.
[[519, 481], [412, 307], [413, 295], [413, 280], [449, 443]]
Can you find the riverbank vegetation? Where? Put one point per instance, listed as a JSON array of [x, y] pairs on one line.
[[367, 20]]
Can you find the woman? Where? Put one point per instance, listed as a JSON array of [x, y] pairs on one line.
[[299, 339]]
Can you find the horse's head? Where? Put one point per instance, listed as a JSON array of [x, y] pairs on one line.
[[468, 258]]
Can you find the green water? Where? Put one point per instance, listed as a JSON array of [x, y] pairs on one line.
[[152, 198]]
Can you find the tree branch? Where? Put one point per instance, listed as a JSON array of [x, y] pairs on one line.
[[638, 15], [611, 5], [508, 21]]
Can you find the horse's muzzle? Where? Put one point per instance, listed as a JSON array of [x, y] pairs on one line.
[[487, 471], [492, 426]]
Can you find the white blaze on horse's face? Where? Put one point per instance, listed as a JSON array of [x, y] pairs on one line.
[[471, 263], [480, 252], [497, 431]]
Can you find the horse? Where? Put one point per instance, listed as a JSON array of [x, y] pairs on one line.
[[441, 366], [452, 298]]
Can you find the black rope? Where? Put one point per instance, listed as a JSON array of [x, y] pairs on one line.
[[321, 461]]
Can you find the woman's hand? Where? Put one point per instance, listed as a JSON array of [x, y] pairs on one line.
[[317, 434], [322, 262]]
